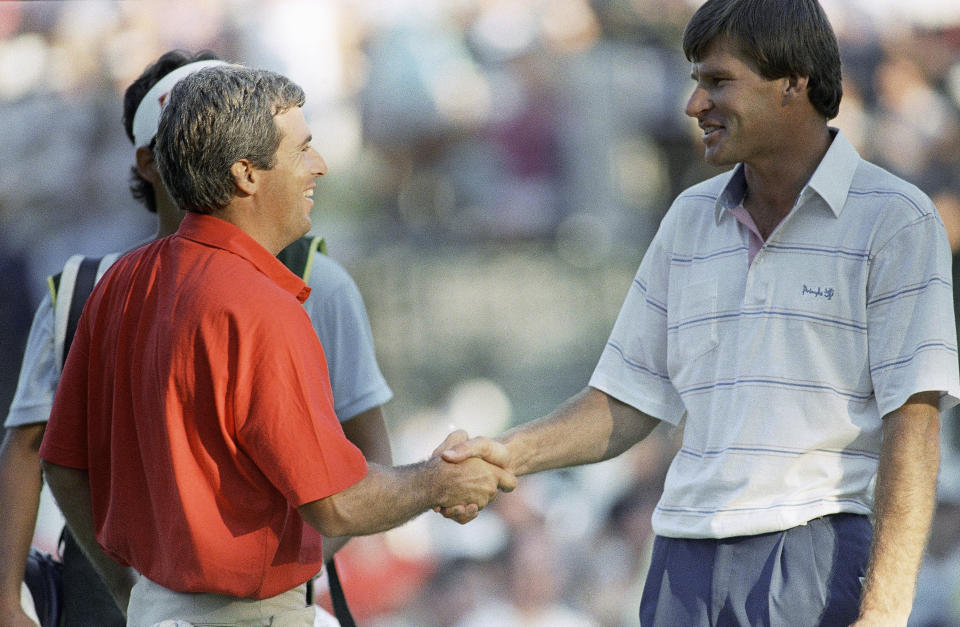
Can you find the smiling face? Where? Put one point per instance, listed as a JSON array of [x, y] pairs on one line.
[[739, 111], [287, 190]]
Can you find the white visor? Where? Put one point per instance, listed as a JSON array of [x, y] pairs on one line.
[[147, 117]]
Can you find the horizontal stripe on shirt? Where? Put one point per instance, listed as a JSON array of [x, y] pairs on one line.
[[781, 369]]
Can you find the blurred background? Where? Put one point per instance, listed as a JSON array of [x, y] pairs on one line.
[[496, 171]]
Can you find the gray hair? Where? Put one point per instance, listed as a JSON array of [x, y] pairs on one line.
[[214, 118]]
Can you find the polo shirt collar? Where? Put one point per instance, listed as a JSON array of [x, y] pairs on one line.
[[732, 193], [833, 177], [831, 180], [218, 233]]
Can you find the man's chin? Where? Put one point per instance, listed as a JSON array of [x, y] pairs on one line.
[[306, 228], [717, 158], [307, 222], [293, 234]]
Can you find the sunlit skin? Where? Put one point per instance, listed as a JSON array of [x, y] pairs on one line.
[[285, 191], [769, 125], [738, 110]]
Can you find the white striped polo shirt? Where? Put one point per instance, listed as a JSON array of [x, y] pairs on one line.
[[783, 368]]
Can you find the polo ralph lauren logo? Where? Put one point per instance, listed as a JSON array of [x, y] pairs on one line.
[[818, 292]]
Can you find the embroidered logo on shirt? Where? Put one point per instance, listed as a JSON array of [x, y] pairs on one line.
[[817, 292]]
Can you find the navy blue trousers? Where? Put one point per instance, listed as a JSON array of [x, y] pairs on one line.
[[808, 575]]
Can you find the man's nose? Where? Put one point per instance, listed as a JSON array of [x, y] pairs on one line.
[[319, 165], [698, 103]]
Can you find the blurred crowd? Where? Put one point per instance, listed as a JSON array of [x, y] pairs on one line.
[[497, 168]]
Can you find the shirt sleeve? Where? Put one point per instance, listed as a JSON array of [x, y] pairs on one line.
[[288, 426], [910, 316], [339, 318], [39, 373], [633, 364]]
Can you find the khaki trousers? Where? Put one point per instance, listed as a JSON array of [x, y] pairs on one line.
[[154, 605]]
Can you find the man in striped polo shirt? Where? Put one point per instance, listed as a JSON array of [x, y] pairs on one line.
[[795, 316]]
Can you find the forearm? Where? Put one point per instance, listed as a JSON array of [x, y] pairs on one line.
[[904, 505], [388, 497], [20, 485], [71, 489], [590, 427], [385, 498]]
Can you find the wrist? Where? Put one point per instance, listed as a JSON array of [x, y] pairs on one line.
[[870, 618], [885, 600], [428, 482], [519, 460], [872, 613]]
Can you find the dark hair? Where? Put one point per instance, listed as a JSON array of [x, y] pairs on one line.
[[140, 187], [214, 118], [779, 38]]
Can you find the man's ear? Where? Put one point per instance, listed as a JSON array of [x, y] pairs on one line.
[[244, 176], [147, 166], [794, 87]]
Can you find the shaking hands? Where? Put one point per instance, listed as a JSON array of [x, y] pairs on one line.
[[478, 468]]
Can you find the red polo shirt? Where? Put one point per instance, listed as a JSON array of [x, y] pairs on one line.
[[196, 396]]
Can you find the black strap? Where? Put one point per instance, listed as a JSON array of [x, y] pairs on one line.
[[86, 277], [339, 600], [55, 279], [296, 256], [86, 599], [85, 596]]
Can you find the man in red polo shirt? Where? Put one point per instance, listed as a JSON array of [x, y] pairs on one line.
[[192, 439]]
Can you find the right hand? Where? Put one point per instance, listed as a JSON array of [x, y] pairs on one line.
[[459, 449], [491, 451], [467, 487]]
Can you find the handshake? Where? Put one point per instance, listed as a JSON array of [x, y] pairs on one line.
[[471, 473]]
